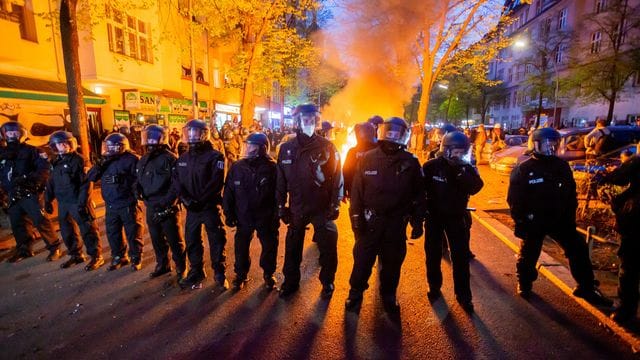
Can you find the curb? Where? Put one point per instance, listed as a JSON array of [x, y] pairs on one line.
[[557, 274]]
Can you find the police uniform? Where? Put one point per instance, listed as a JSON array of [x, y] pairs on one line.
[[68, 184], [199, 178], [542, 197], [309, 177], [117, 176], [448, 188], [24, 171], [350, 164], [250, 202], [626, 207], [386, 192], [154, 173]]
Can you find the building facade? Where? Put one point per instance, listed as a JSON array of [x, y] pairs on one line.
[[547, 37]]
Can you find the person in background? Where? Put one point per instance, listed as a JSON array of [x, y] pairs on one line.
[[366, 140], [591, 140], [480, 142]]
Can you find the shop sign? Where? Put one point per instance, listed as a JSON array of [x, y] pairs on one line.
[[229, 109], [174, 118], [131, 100], [149, 102]]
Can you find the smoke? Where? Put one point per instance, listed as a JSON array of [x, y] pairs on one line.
[[374, 42]]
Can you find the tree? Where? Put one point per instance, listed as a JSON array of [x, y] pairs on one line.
[[612, 53], [266, 48]]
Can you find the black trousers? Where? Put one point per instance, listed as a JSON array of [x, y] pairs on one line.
[[268, 236], [164, 235], [574, 246], [456, 231], [326, 235], [210, 218], [386, 239], [129, 218], [70, 221], [629, 272], [31, 207]]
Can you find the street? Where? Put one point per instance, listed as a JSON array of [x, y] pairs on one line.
[[70, 314]]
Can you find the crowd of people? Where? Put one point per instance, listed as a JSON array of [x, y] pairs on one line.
[[227, 179]]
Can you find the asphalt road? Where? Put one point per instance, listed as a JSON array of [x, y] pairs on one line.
[[47, 312]]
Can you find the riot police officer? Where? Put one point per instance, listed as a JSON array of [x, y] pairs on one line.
[[449, 181], [366, 140], [199, 178], [626, 207], [385, 196], [250, 205], [24, 170], [542, 198], [155, 174], [436, 140], [310, 181], [116, 171], [68, 184]]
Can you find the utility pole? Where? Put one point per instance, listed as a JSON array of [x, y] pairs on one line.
[[194, 91]]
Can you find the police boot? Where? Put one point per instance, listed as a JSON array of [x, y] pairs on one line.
[[466, 305], [20, 255], [118, 262], [593, 296], [269, 282], [239, 282], [524, 290], [94, 263], [54, 255], [136, 263], [354, 302], [287, 290], [623, 314], [193, 280], [327, 291], [74, 260], [391, 306], [159, 271], [222, 283]]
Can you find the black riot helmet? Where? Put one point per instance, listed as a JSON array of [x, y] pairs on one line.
[[452, 141], [365, 133], [544, 141], [114, 144], [256, 144], [195, 132], [13, 132], [307, 118], [153, 136], [376, 121], [62, 142], [394, 130]]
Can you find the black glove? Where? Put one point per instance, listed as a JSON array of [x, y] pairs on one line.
[[231, 221], [284, 213], [162, 215], [84, 213], [333, 213], [48, 207], [357, 223], [417, 230]]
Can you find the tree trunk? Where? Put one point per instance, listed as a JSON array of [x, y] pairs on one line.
[[70, 44], [612, 104], [248, 103], [537, 122], [424, 98]]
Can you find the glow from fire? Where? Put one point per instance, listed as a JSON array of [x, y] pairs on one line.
[[351, 142]]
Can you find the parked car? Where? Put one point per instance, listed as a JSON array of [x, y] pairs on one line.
[[571, 146], [582, 167]]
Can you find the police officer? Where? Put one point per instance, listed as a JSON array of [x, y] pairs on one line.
[[326, 130], [310, 180], [199, 178], [365, 140], [626, 207], [25, 170], [542, 198], [449, 180], [436, 140], [155, 173], [68, 184], [385, 196], [250, 205], [116, 171]]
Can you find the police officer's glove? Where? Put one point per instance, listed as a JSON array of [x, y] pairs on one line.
[[48, 207], [160, 216], [84, 213], [284, 213], [231, 221], [417, 230], [357, 223], [334, 212]]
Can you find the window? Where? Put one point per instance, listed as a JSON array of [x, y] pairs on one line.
[[528, 69], [525, 16], [128, 36], [636, 79], [562, 19], [596, 39], [600, 6], [621, 32], [538, 7], [545, 28], [514, 99], [501, 74], [560, 53], [23, 15], [510, 75]]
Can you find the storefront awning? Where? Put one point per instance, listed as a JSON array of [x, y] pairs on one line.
[[167, 93], [18, 87]]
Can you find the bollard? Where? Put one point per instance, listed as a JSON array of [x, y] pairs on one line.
[[590, 231]]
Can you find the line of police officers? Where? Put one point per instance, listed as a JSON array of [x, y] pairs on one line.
[[387, 188]]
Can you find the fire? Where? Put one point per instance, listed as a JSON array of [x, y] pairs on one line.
[[348, 144]]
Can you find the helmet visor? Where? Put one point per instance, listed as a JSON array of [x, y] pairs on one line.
[[250, 150], [152, 137], [110, 148], [192, 135], [546, 146], [394, 133]]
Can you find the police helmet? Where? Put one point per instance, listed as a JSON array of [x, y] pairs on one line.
[[365, 132], [326, 126], [306, 114], [255, 145], [154, 135], [394, 130], [57, 142], [544, 141], [13, 132], [376, 120], [114, 144], [454, 140], [195, 131]]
